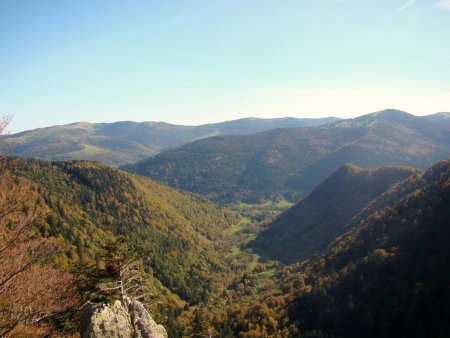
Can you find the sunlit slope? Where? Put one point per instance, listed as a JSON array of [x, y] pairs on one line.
[[182, 234], [291, 162], [125, 142]]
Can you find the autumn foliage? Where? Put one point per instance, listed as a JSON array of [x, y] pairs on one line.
[[31, 289]]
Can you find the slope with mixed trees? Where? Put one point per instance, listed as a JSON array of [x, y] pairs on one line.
[[288, 163], [390, 277], [126, 142], [327, 212], [182, 235], [32, 288], [390, 137], [387, 276]]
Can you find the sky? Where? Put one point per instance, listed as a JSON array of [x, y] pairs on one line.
[[201, 61]]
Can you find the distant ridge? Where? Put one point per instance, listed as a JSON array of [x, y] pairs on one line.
[[125, 142], [442, 117], [291, 162]]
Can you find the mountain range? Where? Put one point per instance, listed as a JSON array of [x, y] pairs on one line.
[[125, 142], [364, 253], [290, 162], [369, 250]]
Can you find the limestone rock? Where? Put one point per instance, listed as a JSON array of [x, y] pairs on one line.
[[143, 324], [127, 319], [100, 321]]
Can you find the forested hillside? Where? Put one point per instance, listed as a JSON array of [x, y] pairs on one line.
[[388, 277], [384, 275], [366, 252], [126, 142], [183, 235], [174, 169], [327, 212], [289, 163]]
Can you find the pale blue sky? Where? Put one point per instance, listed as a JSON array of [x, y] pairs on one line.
[[197, 61]]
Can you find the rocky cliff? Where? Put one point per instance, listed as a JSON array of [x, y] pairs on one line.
[[123, 319]]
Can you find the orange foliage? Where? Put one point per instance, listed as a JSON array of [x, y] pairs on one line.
[[30, 288]]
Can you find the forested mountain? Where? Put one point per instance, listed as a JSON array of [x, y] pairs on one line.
[[125, 142], [327, 212], [291, 162], [366, 253], [183, 235], [386, 274], [390, 277], [386, 277]]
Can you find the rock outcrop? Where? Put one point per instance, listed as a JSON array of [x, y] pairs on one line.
[[143, 324], [123, 319]]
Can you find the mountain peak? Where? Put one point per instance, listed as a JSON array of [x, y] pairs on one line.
[[347, 169], [445, 115], [389, 114]]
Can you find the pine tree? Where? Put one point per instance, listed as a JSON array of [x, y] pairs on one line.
[[123, 276]]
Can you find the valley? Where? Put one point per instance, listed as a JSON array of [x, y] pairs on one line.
[[297, 259], [225, 169]]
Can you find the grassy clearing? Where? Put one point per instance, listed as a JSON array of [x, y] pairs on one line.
[[257, 213], [267, 274], [235, 251], [253, 217], [284, 204], [233, 230], [254, 262]]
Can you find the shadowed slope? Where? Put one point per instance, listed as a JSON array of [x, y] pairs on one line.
[[389, 277], [311, 225]]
